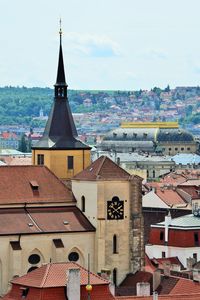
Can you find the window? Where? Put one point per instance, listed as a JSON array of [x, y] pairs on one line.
[[188, 149], [25, 291], [34, 259], [115, 276], [182, 149], [195, 256], [196, 239], [176, 149], [40, 159], [170, 149], [163, 254], [161, 235], [83, 203], [154, 173], [114, 244], [70, 162], [73, 256]]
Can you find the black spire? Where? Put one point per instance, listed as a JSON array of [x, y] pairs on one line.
[[60, 131], [60, 86]]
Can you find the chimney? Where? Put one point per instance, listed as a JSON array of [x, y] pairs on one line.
[[156, 279], [168, 220], [155, 296], [73, 284], [143, 289]]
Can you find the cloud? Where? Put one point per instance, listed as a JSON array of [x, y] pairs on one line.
[[92, 45], [154, 54]]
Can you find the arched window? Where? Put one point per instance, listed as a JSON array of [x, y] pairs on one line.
[[83, 203], [154, 173], [114, 244], [115, 276]]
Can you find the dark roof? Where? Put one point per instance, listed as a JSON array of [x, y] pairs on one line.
[[128, 286], [61, 71], [15, 186], [103, 169], [60, 131], [43, 220], [174, 135]]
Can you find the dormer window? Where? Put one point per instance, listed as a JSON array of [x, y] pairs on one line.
[[34, 185], [124, 134]]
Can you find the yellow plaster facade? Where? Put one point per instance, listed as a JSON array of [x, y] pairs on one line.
[[15, 262], [56, 161], [96, 194]]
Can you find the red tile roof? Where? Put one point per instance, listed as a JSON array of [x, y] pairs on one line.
[[43, 220], [184, 286], [187, 296], [103, 169], [170, 197], [54, 275], [171, 260], [15, 186]]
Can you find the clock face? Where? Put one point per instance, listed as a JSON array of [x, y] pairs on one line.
[[115, 209]]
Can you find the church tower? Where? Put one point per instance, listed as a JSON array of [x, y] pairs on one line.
[[59, 148]]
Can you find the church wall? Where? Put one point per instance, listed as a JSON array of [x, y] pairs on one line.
[[15, 262], [56, 161], [106, 229], [87, 189]]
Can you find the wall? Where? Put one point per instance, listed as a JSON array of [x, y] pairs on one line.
[[15, 262], [56, 161], [182, 253]]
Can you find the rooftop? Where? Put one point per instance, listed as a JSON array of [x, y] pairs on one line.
[[103, 169], [15, 186], [54, 275], [43, 220], [184, 222]]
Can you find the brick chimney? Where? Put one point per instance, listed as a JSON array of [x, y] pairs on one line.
[[73, 284]]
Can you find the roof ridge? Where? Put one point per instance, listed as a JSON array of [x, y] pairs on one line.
[[96, 275], [101, 165], [45, 275]]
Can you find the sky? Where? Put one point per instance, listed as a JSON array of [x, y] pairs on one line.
[[107, 44]]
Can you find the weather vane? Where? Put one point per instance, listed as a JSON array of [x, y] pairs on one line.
[[60, 32]]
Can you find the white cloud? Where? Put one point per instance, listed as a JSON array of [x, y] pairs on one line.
[[154, 54], [92, 45]]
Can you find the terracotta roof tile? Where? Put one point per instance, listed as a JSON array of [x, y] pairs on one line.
[[15, 186], [184, 286], [54, 275], [43, 220], [187, 296], [103, 169], [170, 197]]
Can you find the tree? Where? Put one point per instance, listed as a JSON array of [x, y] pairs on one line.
[[23, 144]]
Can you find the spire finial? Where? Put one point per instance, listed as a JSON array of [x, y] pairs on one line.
[[60, 31]]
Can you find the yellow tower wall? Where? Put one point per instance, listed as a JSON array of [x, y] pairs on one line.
[[56, 161]]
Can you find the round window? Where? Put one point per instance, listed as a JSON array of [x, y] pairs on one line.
[[73, 256], [34, 259]]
